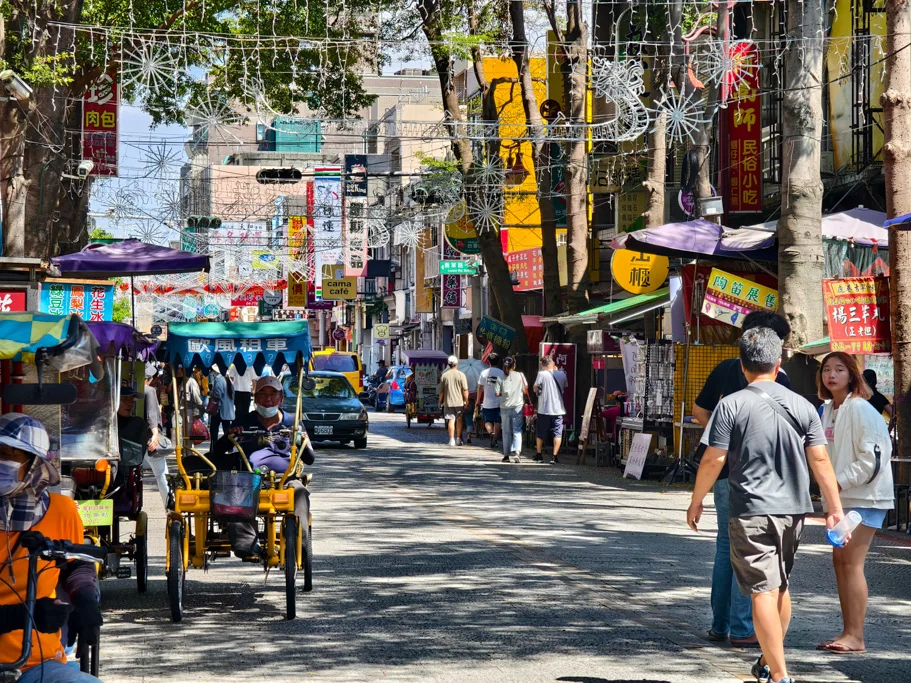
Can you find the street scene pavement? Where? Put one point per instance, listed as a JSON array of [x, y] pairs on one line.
[[434, 563]]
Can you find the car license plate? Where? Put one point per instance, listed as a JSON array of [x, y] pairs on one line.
[[322, 430]]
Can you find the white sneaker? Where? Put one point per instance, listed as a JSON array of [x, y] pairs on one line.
[[452, 442]]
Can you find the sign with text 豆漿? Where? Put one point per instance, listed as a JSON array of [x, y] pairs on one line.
[[857, 309], [730, 298]]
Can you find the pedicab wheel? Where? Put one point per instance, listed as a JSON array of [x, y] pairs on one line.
[[175, 571], [141, 556], [289, 539], [307, 550]]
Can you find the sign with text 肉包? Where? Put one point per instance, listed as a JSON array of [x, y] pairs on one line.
[[90, 302], [745, 131], [343, 289], [99, 125], [497, 333], [730, 298], [458, 268], [857, 309]]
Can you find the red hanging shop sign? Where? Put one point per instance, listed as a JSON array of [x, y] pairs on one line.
[[99, 126], [745, 129], [857, 309]]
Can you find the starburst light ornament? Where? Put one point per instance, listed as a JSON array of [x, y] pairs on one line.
[[169, 204], [408, 234], [122, 203], [149, 232], [489, 172], [733, 66], [684, 115], [161, 160], [211, 116], [485, 211], [149, 65]]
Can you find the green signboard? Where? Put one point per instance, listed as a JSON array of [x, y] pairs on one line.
[[458, 268]]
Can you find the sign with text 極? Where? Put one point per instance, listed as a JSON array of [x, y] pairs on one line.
[[99, 125], [857, 309], [564, 356], [89, 302], [745, 130], [730, 298]]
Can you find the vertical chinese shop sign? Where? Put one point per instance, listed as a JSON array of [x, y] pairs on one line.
[[297, 280], [745, 130], [99, 125], [857, 309]]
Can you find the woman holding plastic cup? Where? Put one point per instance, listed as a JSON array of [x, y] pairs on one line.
[[860, 448]]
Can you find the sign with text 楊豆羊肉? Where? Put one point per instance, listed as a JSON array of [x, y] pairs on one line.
[[730, 298], [857, 309], [745, 130]]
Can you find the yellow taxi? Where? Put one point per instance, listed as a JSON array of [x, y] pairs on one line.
[[344, 362]]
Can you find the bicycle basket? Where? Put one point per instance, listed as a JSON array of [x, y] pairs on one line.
[[131, 454], [236, 495]]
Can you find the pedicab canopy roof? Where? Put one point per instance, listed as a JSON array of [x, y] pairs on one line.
[[256, 344], [129, 257], [117, 338], [425, 355], [66, 339]]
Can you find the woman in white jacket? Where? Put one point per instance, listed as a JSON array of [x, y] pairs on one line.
[[860, 448]]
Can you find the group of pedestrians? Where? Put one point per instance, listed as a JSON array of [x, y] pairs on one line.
[[760, 444], [505, 399]]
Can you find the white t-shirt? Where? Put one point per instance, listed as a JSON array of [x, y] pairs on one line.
[[242, 382], [489, 379]]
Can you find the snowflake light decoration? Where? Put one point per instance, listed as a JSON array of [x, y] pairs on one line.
[[169, 202], [489, 172], [485, 210], [159, 161], [211, 116], [684, 115], [732, 66], [377, 233], [149, 65], [408, 234], [122, 203], [622, 84], [149, 232]]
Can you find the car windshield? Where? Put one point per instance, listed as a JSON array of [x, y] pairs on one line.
[[335, 362], [402, 373], [325, 387]]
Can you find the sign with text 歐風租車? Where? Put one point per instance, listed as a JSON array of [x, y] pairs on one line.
[[457, 268], [342, 289], [639, 273], [497, 333], [857, 309], [90, 302], [730, 298]]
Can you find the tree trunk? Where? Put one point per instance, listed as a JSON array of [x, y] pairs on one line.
[[657, 152], [535, 130], [801, 265], [896, 103]]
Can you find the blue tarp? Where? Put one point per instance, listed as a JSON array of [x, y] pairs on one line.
[[256, 344]]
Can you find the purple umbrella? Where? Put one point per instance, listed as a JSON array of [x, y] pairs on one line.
[[699, 238], [129, 258]]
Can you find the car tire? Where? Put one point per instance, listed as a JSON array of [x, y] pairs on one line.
[[360, 443]]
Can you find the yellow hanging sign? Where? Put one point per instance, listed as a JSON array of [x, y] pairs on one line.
[[639, 273]]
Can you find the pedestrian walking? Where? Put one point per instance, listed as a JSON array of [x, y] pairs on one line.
[[877, 400], [732, 612], [221, 402], [771, 438], [513, 390], [453, 399], [154, 459], [243, 390], [860, 449], [549, 386], [489, 396]]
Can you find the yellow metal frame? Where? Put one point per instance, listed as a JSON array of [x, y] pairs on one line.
[[192, 504]]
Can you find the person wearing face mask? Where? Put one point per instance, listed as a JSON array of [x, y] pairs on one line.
[[275, 456], [26, 474]]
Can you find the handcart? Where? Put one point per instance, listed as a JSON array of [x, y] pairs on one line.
[[424, 405]]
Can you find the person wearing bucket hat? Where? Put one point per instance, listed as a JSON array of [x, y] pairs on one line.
[[26, 473]]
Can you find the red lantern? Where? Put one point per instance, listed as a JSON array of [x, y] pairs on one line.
[[124, 286]]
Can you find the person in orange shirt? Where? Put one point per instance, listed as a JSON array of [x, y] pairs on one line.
[[26, 473]]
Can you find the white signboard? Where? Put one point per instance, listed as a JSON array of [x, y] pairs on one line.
[[327, 220], [638, 452], [381, 330], [356, 238]]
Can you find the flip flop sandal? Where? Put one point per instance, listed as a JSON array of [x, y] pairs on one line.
[[824, 644], [841, 649], [716, 637]]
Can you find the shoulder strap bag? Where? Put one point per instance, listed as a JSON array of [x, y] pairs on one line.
[[778, 408]]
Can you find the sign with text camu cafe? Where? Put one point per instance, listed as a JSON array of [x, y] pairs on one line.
[[857, 309], [94, 303]]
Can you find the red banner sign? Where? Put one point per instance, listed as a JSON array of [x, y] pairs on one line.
[[13, 300], [745, 131], [528, 267], [857, 309], [249, 298], [99, 126]]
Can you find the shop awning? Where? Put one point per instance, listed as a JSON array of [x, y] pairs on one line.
[[700, 239], [616, 312], [817, 348]]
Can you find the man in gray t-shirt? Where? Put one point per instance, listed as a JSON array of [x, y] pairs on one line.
[[549, 386], [769, 479]]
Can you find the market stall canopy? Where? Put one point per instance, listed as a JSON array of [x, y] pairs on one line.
[[256, 344], [618, 311], [700, 238], [415, 355], [65, 339], [129, 258], [860, 225], [114, 338], [817, 348], [534, 332]]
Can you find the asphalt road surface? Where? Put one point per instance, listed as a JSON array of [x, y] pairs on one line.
[[439, 564]]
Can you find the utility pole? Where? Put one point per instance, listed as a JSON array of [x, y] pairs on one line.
[[896, 104]]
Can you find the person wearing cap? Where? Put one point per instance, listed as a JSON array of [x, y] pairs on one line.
[[268, 416], [26, 474], [453, 398]]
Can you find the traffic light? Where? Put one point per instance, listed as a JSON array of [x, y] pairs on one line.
[[203, 222]]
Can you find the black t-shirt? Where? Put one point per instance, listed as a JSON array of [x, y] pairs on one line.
[[878, 401], [727, 378]]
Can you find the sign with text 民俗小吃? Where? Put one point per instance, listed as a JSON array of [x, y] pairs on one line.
[[745, 130], [857, 309], [730, 298]]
